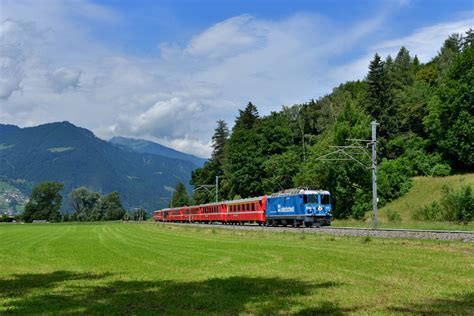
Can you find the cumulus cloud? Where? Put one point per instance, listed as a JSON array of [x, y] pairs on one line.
[[176, 97], [17, 41], [63, 79]]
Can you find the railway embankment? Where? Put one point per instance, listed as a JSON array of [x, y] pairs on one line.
[[465, 236]]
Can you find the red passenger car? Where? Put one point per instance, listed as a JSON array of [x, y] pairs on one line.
[[227, 212]]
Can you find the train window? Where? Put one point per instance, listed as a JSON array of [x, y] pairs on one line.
[[325, 199], [310, 199], [248, 207]]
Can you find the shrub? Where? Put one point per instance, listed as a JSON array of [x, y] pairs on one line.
[[393, 216], [458, 206], [361, 205], [455, 206], [440, 170], [428, 212]]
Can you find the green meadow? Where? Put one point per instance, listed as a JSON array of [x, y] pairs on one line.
[[118, 268]]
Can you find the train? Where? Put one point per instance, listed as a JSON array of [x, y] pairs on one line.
[[296, 207]]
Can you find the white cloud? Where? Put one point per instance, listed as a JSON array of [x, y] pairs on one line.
[[63, 79], [55, 70], [425, 42], [228, 37], [17, 40]]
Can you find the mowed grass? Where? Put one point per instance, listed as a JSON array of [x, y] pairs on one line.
[[425, 190], [149, 268]]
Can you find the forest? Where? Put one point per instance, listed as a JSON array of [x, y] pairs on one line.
[[426, 128]]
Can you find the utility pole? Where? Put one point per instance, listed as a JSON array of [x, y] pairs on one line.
[[374, 171], [171, 196], [217, 189], [171, 199], [351, 152]]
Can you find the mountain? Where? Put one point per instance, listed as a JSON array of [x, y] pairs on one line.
[[148, 147], [76, 157], [7, 128]]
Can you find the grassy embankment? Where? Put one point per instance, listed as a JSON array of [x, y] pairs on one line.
[[154, 269], [424, 191]]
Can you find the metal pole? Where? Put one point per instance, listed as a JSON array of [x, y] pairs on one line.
[[374, 171], [171, 199], [217, 189]]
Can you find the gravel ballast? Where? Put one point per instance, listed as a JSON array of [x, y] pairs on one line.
[[350, 231]]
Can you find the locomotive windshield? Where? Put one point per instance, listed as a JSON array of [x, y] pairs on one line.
[[310, 199], [325, 199]]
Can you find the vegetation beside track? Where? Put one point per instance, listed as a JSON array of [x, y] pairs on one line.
[[114, 268], [424, 192]]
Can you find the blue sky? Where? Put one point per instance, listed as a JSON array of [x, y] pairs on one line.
[[158, 21], [167, 70]]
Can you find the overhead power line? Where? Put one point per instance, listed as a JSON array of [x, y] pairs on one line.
[[350, 152]]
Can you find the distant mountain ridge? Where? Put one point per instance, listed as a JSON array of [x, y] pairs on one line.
[[74, 156], [149, 147]]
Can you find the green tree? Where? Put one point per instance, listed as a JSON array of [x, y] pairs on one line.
[[139, 214], [180, 196], [402, 73], [83, 202], [213, 167], [380, 105], [342, 178], [219, 141], [280, 170], [45, 202], [450, 120], [243, 167], [247, 117], [448, 52], [113, 206]]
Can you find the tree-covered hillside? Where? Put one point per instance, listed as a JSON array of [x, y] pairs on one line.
[[73, 156], [425, 112]]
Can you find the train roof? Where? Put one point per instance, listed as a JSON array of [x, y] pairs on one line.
[[249, 200], [299, 191]]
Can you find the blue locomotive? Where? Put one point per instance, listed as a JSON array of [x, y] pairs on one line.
[[299, 207]]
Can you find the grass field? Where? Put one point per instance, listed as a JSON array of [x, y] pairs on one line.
[[148, 268], [425, 190]]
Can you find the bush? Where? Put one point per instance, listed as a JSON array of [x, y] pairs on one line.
[[394, 179], [393, 216], [428, 213], [454, 206], [440, 170], [362, 204], [459, 206]]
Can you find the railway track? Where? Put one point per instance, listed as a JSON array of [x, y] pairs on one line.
[[466, 236]]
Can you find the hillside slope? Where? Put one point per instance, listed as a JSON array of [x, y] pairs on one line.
[[425, 190], [74, 156], [148, 147]]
